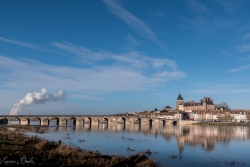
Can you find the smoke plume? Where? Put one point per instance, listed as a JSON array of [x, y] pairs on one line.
[[37, 97]]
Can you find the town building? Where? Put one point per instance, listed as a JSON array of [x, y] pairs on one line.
[[205, 104], [167, 108]]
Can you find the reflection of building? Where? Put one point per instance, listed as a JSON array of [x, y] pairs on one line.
[[185, 135], [205, 104]]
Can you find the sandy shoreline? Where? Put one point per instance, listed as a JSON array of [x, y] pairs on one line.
[[19, 149]]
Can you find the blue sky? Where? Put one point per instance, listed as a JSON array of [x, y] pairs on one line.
[[124, 56]]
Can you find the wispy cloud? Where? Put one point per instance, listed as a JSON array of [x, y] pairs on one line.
[[230, 6], [247, 35], [29, 45], [82, 52], [132, 41], [130, 71], [221, 91], [243, 48], [197, 7], [226, 53], [242, 68], [34, 75], [217, 88], [135, 23], [158, 14], [133, 59]]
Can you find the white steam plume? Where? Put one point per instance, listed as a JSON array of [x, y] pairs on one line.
[[35, 98]]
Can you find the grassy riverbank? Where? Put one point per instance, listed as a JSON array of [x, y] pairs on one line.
[[17, 148]]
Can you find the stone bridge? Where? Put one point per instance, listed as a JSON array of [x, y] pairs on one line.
[[80, 120]]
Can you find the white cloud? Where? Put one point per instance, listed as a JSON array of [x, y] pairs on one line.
[[132, 41], [217, 88], [29, 45], [247, 35], [242, 68], [136, 24], [217, 91], [131, 71], [228, 5], [132, 58], [158, 14], [243, 48], [168, 76], [197, 7], [20, 74], [83, 52]]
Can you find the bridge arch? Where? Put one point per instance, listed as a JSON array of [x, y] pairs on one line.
[[54, 119], [73, 119], [32, 120], [137, 121], [45, 122], [3, 120], [150, 121], [175, 122], [121, 120], [8, 120], [103, 120], [87, 120], [87, 123]]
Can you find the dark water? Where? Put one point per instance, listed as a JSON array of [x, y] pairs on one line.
[[181, 145]]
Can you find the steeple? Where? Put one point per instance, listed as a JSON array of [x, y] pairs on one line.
[[179, 97], [179, 101]]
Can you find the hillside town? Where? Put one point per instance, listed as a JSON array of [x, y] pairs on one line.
[[204, 110]]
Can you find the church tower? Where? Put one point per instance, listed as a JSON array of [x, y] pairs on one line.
[[179, 101]]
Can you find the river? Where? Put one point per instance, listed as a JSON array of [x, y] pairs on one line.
[[171, 145]]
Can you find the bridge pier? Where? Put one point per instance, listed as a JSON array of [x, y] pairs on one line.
[[79, 122], [94, 123], [44, 122], [63, 122], [24, 122]]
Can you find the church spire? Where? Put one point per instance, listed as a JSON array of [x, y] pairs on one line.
[[179, 97]]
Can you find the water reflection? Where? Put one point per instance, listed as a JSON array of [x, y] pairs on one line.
[[189, 134], [204, 136], [180, 141]]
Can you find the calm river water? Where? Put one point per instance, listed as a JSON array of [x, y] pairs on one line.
[[180, 145]]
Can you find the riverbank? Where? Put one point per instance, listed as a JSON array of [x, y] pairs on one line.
[[222, 123], [17, 148]]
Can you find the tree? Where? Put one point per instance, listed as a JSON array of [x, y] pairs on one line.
[[155, 109], [223, 104]]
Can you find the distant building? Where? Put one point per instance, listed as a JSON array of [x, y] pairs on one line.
[[157, 112], [179, 101], [220, 108], [205, 104], [167, 108]]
